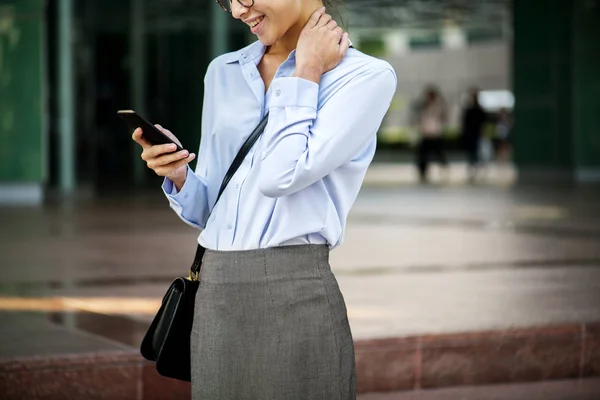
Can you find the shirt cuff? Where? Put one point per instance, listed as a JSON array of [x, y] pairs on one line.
[[178, 200], [294, 92]]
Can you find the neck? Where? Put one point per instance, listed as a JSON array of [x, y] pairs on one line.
[[288, 42]]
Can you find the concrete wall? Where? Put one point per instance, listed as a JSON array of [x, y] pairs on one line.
[[454, 71]]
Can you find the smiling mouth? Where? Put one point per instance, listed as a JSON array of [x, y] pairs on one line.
[[255, 22]]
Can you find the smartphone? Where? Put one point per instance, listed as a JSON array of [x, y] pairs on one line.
[[149, 132]]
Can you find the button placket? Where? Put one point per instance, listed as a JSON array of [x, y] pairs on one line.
[[242, 174]]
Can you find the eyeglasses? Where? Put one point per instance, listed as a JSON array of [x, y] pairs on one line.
[[226, 4]]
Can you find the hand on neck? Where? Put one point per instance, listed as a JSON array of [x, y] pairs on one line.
[[288, 42]]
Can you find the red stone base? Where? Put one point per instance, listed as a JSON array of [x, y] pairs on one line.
[[524, 355]]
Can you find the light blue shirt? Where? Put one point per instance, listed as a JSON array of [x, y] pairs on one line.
[[299, 181]]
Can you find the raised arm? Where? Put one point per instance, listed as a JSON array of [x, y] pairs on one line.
[[301, 144]]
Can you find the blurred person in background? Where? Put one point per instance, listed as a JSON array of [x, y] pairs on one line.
[[432, 115], [473, 119], [270, 321], [502, 132]]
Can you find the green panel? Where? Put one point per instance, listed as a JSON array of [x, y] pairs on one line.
[[542, 79], [539, 143], [481, 35], [373, 45], [587, 84], [21, 91], [426, 41]]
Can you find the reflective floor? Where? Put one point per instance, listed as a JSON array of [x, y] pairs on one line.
[[89, 275], [562, 390]]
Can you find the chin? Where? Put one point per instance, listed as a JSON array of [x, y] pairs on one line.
[[266, 40]]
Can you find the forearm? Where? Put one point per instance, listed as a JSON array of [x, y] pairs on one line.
[[299, 149], [309, 73]]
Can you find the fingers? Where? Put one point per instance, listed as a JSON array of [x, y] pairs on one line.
[[339, 33], [157, 151], [168, 169], [324, 20], [331, 25], [167, 159], [161, 158], [344, 44], [314, 18], [137, 137]]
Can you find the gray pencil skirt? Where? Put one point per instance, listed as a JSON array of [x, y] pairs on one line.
[[271, 324]]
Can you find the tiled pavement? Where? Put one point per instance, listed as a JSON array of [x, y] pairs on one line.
[[553, 390], [83, 277]]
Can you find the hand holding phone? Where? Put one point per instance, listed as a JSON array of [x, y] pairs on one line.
[[151, 133], [162, 151]]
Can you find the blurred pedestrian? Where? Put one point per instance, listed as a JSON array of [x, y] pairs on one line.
[[431, 119], [473, 120], [270, 321]]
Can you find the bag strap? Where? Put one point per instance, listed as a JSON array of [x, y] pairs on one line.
[[235, 165], [241, 155]]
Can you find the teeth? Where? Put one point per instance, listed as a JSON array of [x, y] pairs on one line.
[[256, 22]]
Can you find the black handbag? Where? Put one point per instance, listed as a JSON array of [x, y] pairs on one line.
[[167, 341]]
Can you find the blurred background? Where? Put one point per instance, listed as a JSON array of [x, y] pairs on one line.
[[472, 256], [67, 66]]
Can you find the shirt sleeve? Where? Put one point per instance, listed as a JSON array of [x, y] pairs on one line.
[[301, 145], [190, 202]]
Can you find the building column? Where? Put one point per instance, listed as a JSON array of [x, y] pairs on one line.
[[219, 30], [66, 108], [586, 90], [555, 56]]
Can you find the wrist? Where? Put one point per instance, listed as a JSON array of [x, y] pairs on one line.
[[179, 178], [310, 73]]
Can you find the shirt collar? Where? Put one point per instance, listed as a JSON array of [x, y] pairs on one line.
[[247, 54], [251, 52]]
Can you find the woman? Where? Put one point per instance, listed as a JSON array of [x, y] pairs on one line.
[[432, 117], [270, 321]]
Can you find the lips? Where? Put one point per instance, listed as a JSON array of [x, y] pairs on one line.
[[255, 23]]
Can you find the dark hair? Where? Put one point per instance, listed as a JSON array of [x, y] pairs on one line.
[[332, 3], [333, 8]]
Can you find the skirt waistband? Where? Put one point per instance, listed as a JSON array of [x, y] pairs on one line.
[[273, 261]]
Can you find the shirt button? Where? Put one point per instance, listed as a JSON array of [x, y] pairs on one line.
[[185, 195], [283, 75], [229, 226], [278, 93], [237, 186]]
